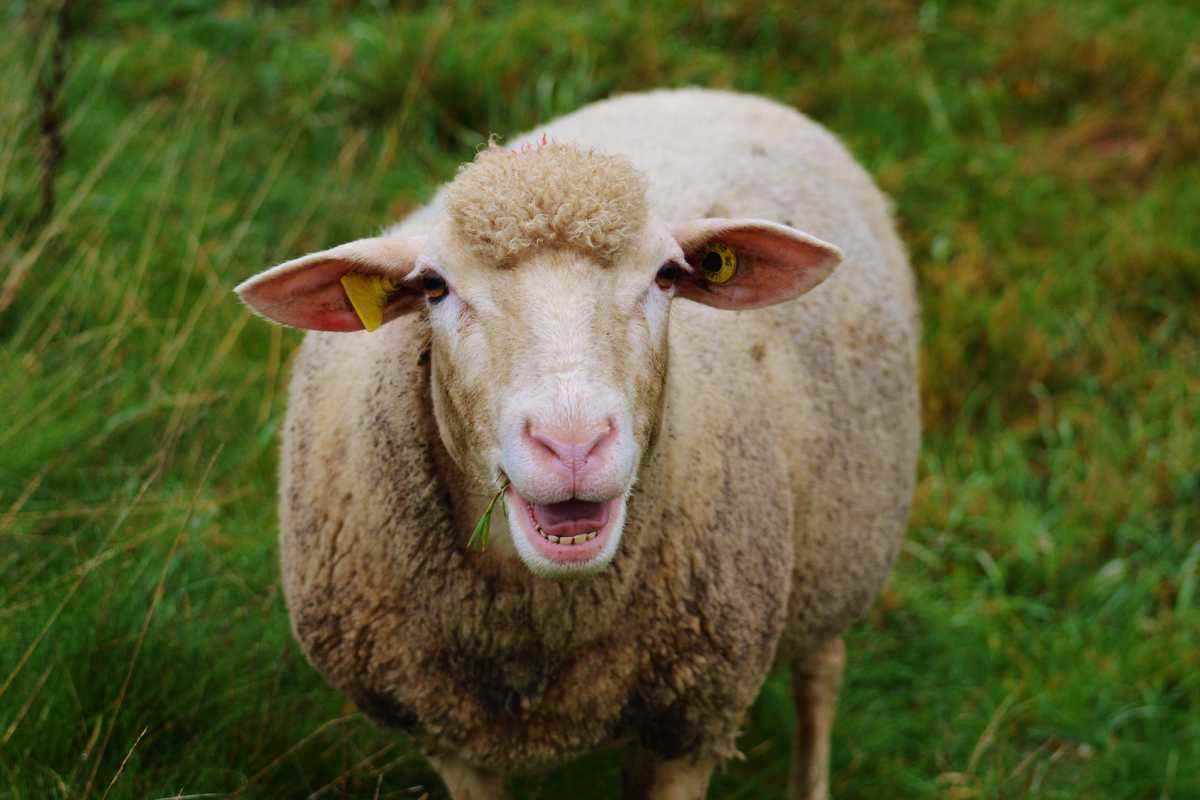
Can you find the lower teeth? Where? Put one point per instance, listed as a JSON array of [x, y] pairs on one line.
[[580, 539]]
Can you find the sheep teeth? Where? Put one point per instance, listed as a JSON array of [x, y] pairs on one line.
[[568, 540]]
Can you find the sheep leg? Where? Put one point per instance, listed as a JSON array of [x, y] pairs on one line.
[[816, 679], [647, 777], [466, 782]]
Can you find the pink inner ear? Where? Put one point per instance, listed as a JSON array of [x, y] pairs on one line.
[[331, 311], [304, 295], [775, 262], [307, 293], [791, 264]]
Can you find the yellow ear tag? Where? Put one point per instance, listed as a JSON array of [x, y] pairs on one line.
[[368, 294], [719, 263]]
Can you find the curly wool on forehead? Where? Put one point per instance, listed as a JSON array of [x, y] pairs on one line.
[[506, 202]]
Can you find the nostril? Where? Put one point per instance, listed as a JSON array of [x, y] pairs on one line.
[[547, 445], [601, 439], [551, 445]]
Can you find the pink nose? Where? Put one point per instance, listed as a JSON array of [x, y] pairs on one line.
[[571, 450]]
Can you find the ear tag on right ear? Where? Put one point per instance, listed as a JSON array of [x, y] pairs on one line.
[[368, 294], [718, 263]]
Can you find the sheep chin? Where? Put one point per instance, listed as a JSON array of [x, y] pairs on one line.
[[563, 562]]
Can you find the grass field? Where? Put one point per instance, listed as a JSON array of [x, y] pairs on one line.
[[1041, 634]]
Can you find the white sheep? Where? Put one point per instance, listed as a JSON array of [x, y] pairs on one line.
[[694, 492]]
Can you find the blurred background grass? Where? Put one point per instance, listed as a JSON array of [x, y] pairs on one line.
[[1041, 635]]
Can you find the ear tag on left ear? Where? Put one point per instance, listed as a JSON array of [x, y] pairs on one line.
[[718, 263], [368, 294]]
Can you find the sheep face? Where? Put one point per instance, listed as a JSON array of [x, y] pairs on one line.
[[547, 285], [548, 371]]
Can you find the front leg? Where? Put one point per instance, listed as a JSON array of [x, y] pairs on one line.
[[647, 777], [815, 684], [466, 782]]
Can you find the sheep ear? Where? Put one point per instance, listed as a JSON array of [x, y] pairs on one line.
[[750, 263], [355, 286]]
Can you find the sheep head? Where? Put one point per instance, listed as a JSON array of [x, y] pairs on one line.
[[546, 283]]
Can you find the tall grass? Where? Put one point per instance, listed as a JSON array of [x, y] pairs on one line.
[[1041, 636]]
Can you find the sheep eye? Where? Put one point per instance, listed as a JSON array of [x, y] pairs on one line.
[[718, 263], [434, 288], [668, 275]]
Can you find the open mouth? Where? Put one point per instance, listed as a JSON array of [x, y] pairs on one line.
[[572, 534]]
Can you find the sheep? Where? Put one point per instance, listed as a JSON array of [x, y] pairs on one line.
[[692, 491]]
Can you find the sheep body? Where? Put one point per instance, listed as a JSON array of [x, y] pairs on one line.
[[764, 520]]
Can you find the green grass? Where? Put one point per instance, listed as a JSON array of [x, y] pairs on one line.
[[1041, 634]]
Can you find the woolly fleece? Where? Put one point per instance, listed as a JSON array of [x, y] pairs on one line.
[[507, 202]]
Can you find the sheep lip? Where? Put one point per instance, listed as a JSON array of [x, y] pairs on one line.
[[576, 532]]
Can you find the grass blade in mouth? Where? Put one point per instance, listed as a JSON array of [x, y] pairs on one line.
[[479, 537]]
